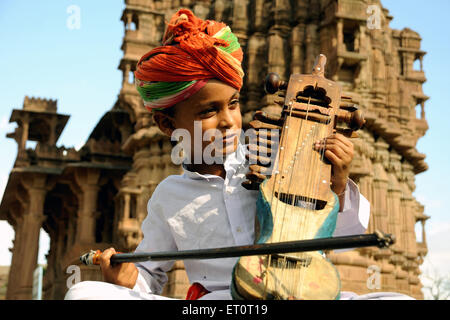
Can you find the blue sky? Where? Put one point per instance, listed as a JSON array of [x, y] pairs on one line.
[[431, 21], [41, 56]]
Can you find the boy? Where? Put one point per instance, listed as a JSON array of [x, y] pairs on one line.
[[194, 80]]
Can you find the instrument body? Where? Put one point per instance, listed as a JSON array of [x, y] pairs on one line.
[[297, 202]]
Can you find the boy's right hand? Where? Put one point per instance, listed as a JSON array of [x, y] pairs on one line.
[[122, 274]]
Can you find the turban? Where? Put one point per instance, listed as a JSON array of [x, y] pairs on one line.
[[193, 51]]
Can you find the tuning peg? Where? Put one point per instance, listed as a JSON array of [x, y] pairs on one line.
[[355, 119], [348, 106], [273, 83]]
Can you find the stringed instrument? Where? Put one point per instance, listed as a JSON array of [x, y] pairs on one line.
[[296, 202]]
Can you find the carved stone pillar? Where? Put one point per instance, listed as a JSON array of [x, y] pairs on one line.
[[379, 211], [219, 8], [362, 167], [54, 278], [24, 136], [126, 73], [87, 180], [311, 47], [408, 228], [297, 36], [393, 207], [340, 35], [239, 24], [59, 285], [256, 65], [126, 206], [422, 248], [395, 222], [128, 228], [26, 244], [277, 54], [362, 173]]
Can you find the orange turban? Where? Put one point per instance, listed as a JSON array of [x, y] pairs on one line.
[[193, 51]]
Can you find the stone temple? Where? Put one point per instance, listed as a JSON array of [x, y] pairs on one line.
[[96, 197]]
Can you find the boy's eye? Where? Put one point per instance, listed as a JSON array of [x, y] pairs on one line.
[[208, 110], [234, 102]]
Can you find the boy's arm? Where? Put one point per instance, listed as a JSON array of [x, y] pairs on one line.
[[157, 237]]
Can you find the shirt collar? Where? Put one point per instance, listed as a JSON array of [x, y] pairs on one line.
[[231, 164]]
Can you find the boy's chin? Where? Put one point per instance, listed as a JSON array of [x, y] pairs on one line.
[[226, 150]]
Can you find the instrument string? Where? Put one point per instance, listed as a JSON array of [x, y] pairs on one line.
[[278, 182], [290, 197], [307, 202], [318, 165], [284, 262]]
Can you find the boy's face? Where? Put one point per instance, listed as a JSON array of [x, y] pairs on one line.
[[215, 107]]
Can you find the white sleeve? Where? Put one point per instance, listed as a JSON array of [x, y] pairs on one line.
[[354, 217], [157, 237]]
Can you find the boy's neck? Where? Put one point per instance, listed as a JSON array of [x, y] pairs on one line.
[[214, 169]]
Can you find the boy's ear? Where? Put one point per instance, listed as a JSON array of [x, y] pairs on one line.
[[164, 122]]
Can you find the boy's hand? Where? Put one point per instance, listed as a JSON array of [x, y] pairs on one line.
[[339, 151], [267, 128], [122, 274]]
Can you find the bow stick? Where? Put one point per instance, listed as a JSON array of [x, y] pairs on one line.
[[378, 239]]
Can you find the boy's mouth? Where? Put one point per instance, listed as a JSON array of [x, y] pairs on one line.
[[230, 138]]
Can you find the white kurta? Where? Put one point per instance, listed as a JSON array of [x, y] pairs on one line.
[[194, 211]]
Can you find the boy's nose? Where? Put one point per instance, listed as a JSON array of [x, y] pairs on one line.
[[226, 119]]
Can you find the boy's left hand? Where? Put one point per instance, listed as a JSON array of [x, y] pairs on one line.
[[339, 151]]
